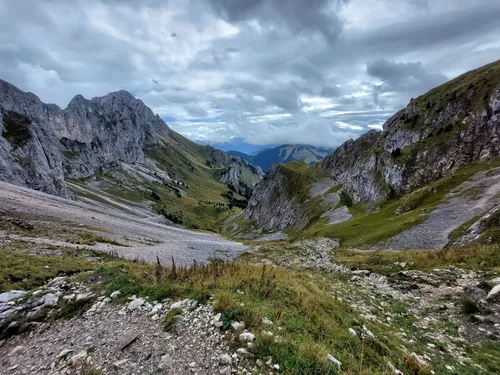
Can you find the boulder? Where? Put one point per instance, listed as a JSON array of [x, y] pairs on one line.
[[494, 294]]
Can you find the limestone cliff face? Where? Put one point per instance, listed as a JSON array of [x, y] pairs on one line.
[[29, 151], [274, 204], [41, 144], [96, 134], [453, 125]]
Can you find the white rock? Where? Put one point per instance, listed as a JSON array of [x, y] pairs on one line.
[[16, 350], [135, 304], [165, 362], [49, 300], [118, 364], [247, 336], [56, 280], [266, 321], [238, 326], [276, 367], [83, 296], [64, 353], [494, 293], [334, 360], [395, 370], [155, 317], [115, 294], [368, 332], [69, 297], [37, 292], [225, 359], [352, 331], [156, 308], [495, 281], [79, 359]]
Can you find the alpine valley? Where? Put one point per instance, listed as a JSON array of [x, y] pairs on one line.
[[128, 249]]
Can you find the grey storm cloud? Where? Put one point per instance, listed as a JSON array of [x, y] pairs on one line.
[[296, 15], [408, 77], [318, 71]]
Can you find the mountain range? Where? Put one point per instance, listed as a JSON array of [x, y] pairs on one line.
[[115, 148], [283, 154], [443, 147]]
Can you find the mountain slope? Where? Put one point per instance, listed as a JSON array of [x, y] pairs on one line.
[[389, 181], [284, 154], [116, 150]]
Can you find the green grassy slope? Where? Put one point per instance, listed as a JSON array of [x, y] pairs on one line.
[[181, 181]]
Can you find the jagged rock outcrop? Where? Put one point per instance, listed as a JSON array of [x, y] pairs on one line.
[[274, 205], [29, 151], [96, 134], [240, 176], [41, 144]]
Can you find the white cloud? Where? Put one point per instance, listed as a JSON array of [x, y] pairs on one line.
[[376, 126], [267, 73]]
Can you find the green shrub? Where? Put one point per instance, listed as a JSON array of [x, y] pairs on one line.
[[17, 128]]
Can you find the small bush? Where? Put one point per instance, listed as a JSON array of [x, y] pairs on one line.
[[395, 153], [468, 305], [17, 128], [170, 318], [345, 199]]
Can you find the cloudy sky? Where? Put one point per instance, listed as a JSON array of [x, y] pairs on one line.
[[275, 71]]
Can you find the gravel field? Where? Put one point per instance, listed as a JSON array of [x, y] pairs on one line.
[[460, 206], [124, 227]]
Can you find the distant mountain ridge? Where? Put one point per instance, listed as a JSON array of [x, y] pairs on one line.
[[237, 144], [284, 154]]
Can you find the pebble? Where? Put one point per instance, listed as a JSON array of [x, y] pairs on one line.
[[225, 359], [78, 360], [334, 360], [238, 326], [115, 294], [247, 336]]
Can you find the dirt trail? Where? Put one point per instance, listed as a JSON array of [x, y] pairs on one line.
[[184, 245], [461, 205]]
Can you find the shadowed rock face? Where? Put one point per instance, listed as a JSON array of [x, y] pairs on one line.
[[36, 162], [88, 137], [273, 206]]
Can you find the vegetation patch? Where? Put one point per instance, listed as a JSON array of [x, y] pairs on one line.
[[485, 258], [314, 324], [22, 268], [17, 128]]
